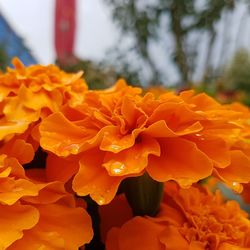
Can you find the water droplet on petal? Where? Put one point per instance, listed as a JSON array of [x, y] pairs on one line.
[[117, 168], [100, 200], [185, 183], [200, 137], [74, 148], [17, 189], [114, 147], [237, 187]]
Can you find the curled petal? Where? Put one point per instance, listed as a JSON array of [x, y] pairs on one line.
[[174, 114], [37, 239], [186, 166], [112, 140], [59, 228], [14, 220], [237, 172], [132, 160], [130, 235], [131, 113], [93, 180], [54, 138], [173, 240], [215, 148], [43, 99], [12, 127], [18, 148], [228, 246], [12, 190], [160, 129], [50, 192], [14, 111]]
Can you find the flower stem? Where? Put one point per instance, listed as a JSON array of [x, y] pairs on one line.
[[143, 194]]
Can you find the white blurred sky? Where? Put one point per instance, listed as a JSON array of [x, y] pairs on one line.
[[33, 20]]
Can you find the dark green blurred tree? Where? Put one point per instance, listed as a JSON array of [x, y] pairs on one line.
[[96, 75], [237, 75], [100, 75], [234, 83], [144, 20]]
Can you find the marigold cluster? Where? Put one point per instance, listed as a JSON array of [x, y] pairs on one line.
[[30, 93], [35, 213], [59, 140], [118, 133], [189, 219], [38, 214]]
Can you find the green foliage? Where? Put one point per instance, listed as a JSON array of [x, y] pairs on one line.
[[97, 76], [238, 73]]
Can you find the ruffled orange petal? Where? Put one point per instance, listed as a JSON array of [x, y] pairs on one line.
[[173, 240], [18, 148], [160, 129], [132, 160], [196, 245], [13, 182], [202, 101], [175, 115], [94, 180], [228, 246], [17, 170], [37, 239], [114, 142], [51, 100], [75, 227], [54, 138], [237, 172], [141, 233], [15, 111], [181, 161], [215, 148], [14, 220], [50, 192], [4, 91], [59, 228], [12, 190], [12, 127]]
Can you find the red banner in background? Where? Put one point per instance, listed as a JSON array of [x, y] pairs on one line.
[[65, 25]]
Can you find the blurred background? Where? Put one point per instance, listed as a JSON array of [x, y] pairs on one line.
[[155, 44]]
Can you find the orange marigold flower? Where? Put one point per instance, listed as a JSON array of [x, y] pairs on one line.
[[28, 93], [37, 214], [190, 218], [118, 133]]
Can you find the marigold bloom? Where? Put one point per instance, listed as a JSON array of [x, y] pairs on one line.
[[38, 214], [189, 219], [118, 133], [28, 93]]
